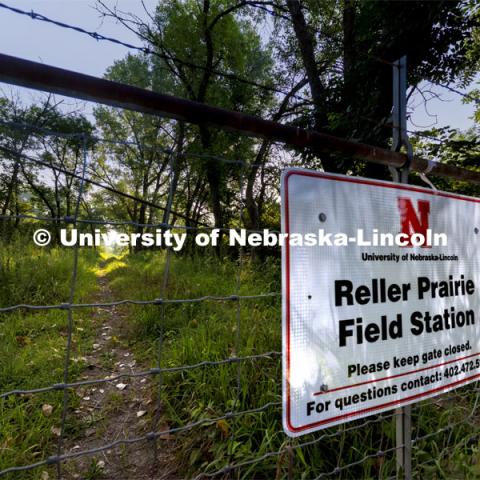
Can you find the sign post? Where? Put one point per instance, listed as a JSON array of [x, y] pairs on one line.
[[403, 416]]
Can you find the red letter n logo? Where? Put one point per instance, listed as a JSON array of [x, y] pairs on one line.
[[411, 222]]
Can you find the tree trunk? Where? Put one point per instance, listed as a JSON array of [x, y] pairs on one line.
[[306, 42]]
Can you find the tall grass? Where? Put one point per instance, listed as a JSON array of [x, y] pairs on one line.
[[32, 346], [32, 351], [207, 330], [195, 332]]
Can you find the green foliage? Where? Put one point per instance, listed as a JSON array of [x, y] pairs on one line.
[[25, 187], [441, 41], [453, 147], [32, 347], [211, 38], [207, 331]]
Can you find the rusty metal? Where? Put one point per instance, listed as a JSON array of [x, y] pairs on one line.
[[37, 76]]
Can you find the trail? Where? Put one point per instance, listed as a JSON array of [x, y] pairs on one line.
[[115, 410]]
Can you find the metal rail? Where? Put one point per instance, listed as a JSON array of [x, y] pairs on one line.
[[37, 76]]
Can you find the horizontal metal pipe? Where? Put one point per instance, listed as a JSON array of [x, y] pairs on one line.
[[35, 75]]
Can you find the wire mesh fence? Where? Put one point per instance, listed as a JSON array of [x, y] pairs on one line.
[[221, 414], [205, 323]]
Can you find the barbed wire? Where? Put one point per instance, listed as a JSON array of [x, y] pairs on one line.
[[148, 51]]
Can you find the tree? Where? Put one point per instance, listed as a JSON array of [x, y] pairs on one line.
[[195, 40], [50, 191], [437, 37], [454, 147], [134, 157]]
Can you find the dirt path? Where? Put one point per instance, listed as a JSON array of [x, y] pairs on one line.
[[115, 410]]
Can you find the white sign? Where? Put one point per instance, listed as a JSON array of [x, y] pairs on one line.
[[368, 328]]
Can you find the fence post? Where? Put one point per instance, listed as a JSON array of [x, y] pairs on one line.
[[400, 138]]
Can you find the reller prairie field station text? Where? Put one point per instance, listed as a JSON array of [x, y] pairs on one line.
[[354, 330]]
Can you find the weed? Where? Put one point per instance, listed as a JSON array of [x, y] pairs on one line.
[[199, 331], [192, 333], [32, 348]]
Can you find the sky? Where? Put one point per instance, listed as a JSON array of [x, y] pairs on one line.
[[23, 37]]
